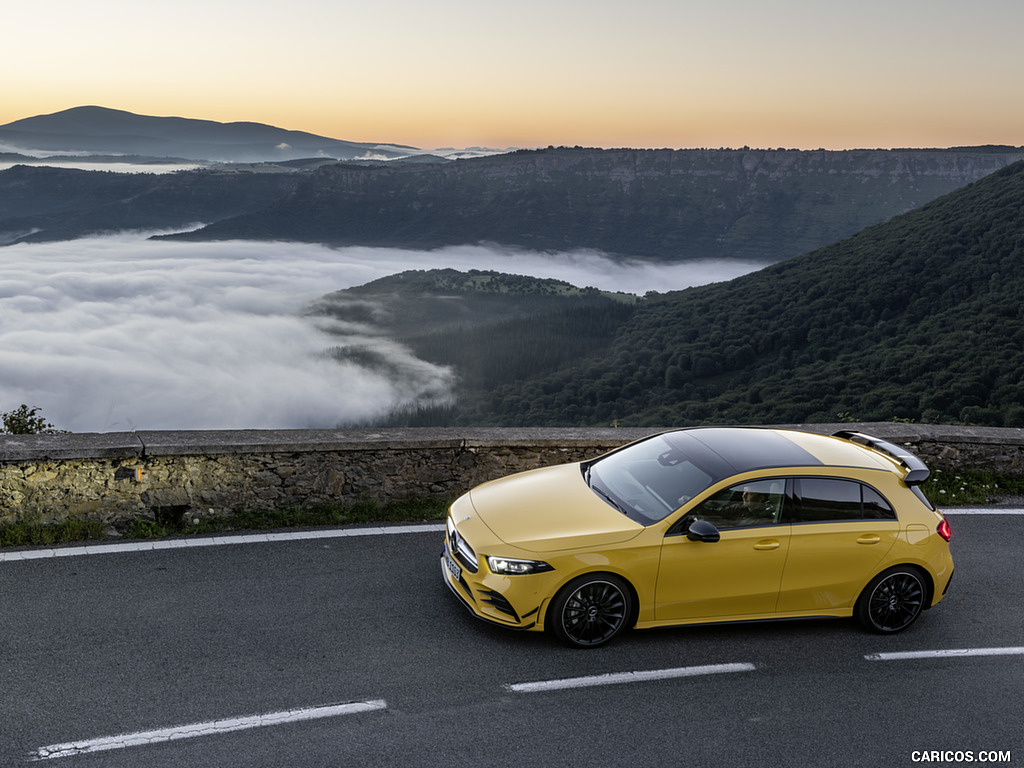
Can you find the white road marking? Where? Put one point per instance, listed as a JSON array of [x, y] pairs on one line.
[[945, 653], [202, 729], [329, 533], [982, 511], [626, 677], [214, 541]]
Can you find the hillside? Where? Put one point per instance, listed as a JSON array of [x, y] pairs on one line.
[[490, 327], [920, 318], [423, 302], [48, 204], [766, 205], [102, 130], [667, 205]]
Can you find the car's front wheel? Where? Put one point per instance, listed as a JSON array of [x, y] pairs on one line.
[[892, 600], [591, 610]]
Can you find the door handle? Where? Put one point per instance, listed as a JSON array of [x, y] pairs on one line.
[[869, 538], [767, 544]]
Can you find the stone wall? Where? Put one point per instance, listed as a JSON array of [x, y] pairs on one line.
[[117, 476]]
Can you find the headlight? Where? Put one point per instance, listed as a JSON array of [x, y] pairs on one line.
[[512, 567]]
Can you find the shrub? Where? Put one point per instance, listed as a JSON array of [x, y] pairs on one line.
[[25, 421]]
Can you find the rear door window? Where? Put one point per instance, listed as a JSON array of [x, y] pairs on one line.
[[826, 499]]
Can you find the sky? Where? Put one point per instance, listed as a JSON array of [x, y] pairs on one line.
[[117, 333], [454, 73]]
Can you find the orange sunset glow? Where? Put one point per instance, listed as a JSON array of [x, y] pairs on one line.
[[652, 73]]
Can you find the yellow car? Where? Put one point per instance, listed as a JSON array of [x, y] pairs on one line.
[[703, 525]]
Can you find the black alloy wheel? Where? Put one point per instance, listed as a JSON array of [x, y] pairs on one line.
[[892, 601], [591, 610]]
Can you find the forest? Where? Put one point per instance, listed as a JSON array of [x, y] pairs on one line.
[[920, 318], [491, 327], [659, 205], [43, 204], [764, 205]]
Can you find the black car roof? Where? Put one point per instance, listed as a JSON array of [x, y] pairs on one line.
[[726, 451]]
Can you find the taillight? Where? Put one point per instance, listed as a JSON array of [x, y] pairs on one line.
[[944, 530]]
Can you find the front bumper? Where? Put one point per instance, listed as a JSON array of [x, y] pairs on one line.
[[486, 596]]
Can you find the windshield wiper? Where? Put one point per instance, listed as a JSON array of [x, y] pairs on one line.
[[607, 497]]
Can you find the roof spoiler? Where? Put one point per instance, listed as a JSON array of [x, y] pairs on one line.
[[917, 472]]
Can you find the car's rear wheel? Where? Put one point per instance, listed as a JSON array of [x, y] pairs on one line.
[[892, 600], [591, 610]]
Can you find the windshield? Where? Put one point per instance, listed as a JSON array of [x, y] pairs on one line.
[[649, 480]]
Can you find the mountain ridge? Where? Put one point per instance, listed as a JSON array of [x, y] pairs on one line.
[[763, 205], [758, 205], [102, 129], [43, 204]]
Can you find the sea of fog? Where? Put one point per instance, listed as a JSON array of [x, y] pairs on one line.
[[120, 333], [86, 165]]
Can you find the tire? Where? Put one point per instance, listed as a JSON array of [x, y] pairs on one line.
[[892, 600], [591, 610]]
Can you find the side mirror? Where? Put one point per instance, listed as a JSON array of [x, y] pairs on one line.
[[702, 530]]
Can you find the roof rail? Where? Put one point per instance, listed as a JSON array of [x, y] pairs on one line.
[[917, 472]]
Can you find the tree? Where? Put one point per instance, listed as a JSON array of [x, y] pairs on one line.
[[24, 421]]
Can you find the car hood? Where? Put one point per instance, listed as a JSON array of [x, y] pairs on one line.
[[548, 509]]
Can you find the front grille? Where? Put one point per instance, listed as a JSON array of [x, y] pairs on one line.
[[498, 601], [460, 549]]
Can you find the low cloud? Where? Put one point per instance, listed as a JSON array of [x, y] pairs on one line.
[[120, 333]]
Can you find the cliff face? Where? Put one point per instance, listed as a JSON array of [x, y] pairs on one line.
[[660, 204], [764, 205], [40, 204]]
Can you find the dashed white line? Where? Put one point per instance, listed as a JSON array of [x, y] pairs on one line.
[[213, 541], [627, 677], [945, 653], [202, 729]]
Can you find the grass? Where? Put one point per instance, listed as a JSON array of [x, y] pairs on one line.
[[944, 489], [964, 487], [23, 534]]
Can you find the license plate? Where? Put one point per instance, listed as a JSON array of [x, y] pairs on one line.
[[454, 568]]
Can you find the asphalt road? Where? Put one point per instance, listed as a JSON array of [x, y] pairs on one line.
[[131, 644]]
